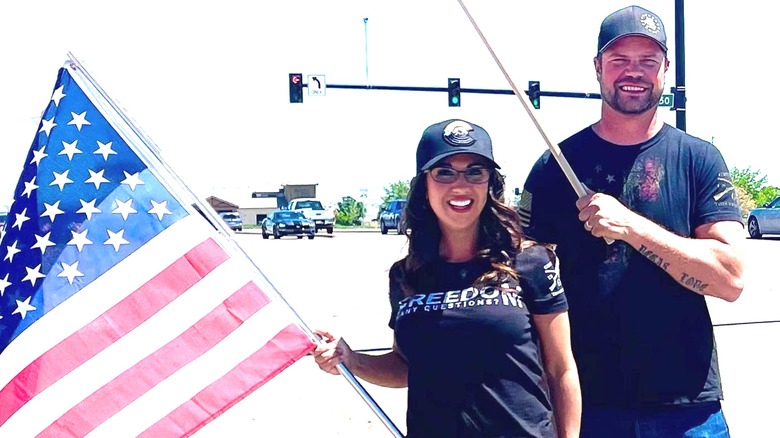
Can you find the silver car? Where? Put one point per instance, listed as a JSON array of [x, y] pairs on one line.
[[233, 219], [765, 220]]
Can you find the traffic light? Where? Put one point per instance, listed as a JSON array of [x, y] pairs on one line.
[[534, 94], [296, 88], [453, 91]]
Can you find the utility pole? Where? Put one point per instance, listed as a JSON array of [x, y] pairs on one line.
[[679, 57], [365, 33]]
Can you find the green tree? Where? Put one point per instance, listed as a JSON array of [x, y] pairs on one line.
[[767, 194], [746, 203], [752, 189], [750, 180], [350, 212], [396, 190]]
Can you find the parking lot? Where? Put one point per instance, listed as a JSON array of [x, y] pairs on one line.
[[339, 283]]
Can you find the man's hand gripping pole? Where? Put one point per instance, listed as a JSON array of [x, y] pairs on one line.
[[578, 187]]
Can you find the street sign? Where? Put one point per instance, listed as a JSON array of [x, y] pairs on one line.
[[316, 85], [666, 100]]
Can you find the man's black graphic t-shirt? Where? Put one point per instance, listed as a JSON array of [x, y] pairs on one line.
[[640, 339], [475, 367]]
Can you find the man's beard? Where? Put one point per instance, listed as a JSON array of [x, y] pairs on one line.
[[631, 105]]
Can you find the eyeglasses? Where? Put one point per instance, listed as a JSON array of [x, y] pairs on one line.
[[448, 175]]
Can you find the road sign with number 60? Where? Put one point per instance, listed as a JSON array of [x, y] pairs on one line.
[[666, 100]]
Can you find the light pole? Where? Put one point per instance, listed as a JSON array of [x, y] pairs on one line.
[[365, 32]]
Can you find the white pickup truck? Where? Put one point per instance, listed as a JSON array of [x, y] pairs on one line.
[[313, 209]]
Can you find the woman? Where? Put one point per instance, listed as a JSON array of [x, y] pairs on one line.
[[480, 318]]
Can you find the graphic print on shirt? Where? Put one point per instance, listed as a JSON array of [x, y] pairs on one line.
[[644, 181], [602, 180], [553, 272], [726, 195], [470, 297]]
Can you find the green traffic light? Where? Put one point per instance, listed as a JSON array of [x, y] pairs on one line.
[[455, 100]]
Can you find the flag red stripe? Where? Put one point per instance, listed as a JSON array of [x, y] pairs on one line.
[[134, 382], [110, 326], [280, 352]]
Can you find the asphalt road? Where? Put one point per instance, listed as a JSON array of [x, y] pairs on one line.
[[339, 283]]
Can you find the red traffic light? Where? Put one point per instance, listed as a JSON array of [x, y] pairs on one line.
[[296, 88]]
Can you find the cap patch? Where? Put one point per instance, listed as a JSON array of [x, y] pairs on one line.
[[650, 22], [458, 133]]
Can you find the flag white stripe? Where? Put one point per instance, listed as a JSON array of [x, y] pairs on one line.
[[155, 332], [99, 296], [192, 378]]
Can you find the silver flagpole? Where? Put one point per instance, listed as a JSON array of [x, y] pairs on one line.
[[209, 212]]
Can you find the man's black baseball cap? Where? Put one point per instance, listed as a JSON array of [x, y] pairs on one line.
[[451, 137], [631, 20]]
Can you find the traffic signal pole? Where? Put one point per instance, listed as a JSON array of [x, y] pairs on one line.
[[679, 60]]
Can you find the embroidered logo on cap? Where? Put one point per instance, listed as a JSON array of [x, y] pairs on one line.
[[457, 133], [650, 22]]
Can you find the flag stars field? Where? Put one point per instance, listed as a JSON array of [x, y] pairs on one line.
[[96, 178], [4, 283], [79, 120], [43, 242], [21, 218], [159, 209], [47, 126], [60, 179], [124, 208], [88, 208], [33, 274], [52, 210], [79, 239], [57, 95], [105, 150], [132, 180], [22, 307], [38, 155], [11, 250], [29, 186], [70, 149], [70, 271]]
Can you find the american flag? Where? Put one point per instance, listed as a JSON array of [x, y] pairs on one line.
[[123, 310]]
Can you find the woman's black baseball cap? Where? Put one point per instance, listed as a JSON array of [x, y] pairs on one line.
[[452, 137]]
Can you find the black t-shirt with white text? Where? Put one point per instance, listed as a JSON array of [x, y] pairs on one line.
[[473, 356]]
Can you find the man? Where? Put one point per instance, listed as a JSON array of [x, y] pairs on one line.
[[655, 234]]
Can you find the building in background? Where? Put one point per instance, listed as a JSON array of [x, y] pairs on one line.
[[255, 206]]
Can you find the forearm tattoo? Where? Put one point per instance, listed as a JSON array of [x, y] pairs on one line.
[[686, 280], [693, 282], [653, 257]]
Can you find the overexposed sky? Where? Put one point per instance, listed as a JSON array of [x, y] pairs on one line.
[[207, 81]]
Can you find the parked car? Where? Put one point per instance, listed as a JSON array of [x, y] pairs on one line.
[[392, 216], [233, 219], [765, 219], [313, 209], [282, 223]]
